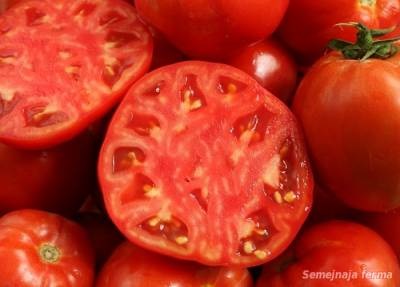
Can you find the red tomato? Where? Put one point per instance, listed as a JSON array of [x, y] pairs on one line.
[[202, 163], [271, 65], [103, 235], [387, 225], [131, 266], [57, 179], [332, 254], [309, 24], [64, 64], [43, 249], [213, 28], [350, 113]]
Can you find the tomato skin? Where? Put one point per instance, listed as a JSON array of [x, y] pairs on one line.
[[271, 65], [387, 225], [131, 266], [309, 25], [351, 128], [44, 249], [335, 246], [57, 179], [205, 29]]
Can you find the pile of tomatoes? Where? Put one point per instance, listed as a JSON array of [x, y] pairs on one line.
[[224, 143]]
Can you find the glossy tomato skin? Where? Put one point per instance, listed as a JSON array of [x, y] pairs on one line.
[[205, 29], [102, 49], [271, 65], [338, 248], [350, 114], [202, 163], [57, 179], [309, 25], [131, 266], [44, 249], [387, 225]]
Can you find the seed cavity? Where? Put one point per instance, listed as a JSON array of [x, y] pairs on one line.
[[256, 235], [41, 115], [85, 9], [171, 229], [113, 70], [229, 86], [140, 189], [8, 101], [252, 128], [125, 158], [115, 39], [73, 71], [191, 96], [271, 174], [155, 90], [145, 125]]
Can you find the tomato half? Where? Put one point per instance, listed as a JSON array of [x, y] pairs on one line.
[[332, 254], [212, 29], [64, 64], [200, 162], [350, 113], [44, 249], [271, 65], [57, 179], [309, 25], [130, 266]]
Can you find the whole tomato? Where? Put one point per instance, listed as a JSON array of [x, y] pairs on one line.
[[44, 249], [332, 254], [387, 225], [309, 25], [130, 266], [213, 29], [57, 179], [350, 112], [271, 65]]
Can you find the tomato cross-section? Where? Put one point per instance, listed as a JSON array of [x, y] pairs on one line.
[[200, 162], [63, 64]]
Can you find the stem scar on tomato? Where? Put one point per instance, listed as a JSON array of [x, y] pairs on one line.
[[49, 253]]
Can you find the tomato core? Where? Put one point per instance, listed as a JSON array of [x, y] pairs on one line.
[[49, 253]]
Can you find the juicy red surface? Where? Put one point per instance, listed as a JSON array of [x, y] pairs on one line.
[[183, 164], [65, 64]]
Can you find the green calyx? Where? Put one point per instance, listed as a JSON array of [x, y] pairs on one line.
[[366, 46]]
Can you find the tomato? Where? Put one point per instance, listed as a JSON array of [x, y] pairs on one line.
[[271, 65], [387, 225], [212, 29], [335, 253], [202, 163], [350, 113], [43, 249], [63, 65], [57, 179], [103, 235], [309, 25], [130, 266]]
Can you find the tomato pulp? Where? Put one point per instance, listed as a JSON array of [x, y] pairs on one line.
[[200, 162], [64, 64]]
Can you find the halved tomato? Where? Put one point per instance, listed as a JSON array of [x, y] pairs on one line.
[[200, 162], [63, 64]]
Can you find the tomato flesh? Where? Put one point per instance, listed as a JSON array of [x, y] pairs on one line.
[[202, 163], [63, 65]]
